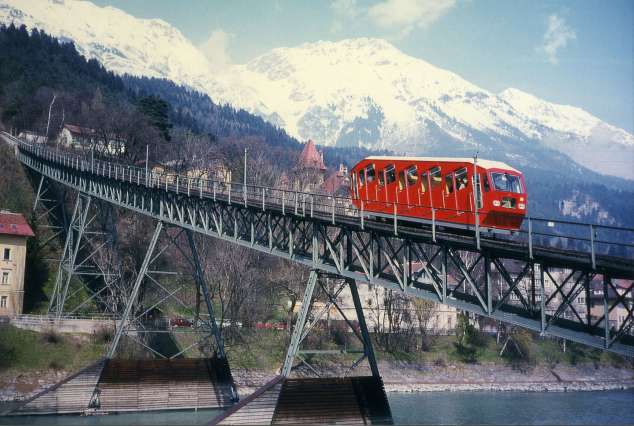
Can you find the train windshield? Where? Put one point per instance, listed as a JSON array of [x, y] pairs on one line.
[[506, 182]]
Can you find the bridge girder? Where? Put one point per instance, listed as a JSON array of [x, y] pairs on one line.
[[448, 269]]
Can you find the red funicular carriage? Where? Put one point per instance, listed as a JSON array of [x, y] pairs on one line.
[[426, 189]]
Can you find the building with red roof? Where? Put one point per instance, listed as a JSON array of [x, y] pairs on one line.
[[310, 158], [14, 230]]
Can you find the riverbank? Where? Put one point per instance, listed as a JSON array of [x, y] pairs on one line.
[[402, 377], [421, 377]]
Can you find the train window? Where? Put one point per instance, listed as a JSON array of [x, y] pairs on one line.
[[381, 177], [434, 173], [461, 179], [449, 183], [485, 182], [412, 177], [401, 180], [361, 177], [369, 173], [506, 182], [423, 183], [390, 174]]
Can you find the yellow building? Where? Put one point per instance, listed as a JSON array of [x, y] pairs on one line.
[[14, 230]]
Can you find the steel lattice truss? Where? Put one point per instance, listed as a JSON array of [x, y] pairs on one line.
[[534, 287]]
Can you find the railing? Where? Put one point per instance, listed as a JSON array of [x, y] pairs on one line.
[[36, 319], [593, 239]]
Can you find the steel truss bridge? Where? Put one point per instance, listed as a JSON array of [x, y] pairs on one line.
[[502, 277], [534, 278]]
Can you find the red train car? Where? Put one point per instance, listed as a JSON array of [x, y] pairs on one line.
[[426, 188]]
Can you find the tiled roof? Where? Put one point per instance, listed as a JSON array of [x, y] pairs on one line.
[[14, 224], [310, 158], [79, 130]]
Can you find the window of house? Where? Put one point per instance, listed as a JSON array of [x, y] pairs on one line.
[[461, 179], [7, 254], [369, 173], [449, 322], [3, 302], [434, 173], [5, 278], [449, 183], [424, 183], [390, 174], [412, 177]]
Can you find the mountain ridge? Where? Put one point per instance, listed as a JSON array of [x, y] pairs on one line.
[[361, 92]]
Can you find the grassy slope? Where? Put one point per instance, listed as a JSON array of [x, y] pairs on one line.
[[265, 349], [25, 350]]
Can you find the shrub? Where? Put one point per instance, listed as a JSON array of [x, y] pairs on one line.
[[51, 336], [103, 335], [55, 365], [520, 348], [440, 362]]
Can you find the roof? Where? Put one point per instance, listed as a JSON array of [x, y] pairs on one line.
[[78, 129], [14, 224], [311, 158], [487, 164], [333, 183]]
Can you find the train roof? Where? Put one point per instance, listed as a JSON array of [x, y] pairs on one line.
[[487, 164]]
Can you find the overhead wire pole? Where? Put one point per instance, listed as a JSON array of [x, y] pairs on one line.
[[244, 185], [477, 196]]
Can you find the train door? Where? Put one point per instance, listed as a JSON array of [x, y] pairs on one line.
[[362, 185], [381, 193], [436, 189], [449, 195], [390, 185], [425, 190], [464, 201], [402, 195], [413, 190], [371, 187]]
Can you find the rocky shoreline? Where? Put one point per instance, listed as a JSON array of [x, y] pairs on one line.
[[403, 377]]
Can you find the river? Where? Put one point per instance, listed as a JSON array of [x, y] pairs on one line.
[[486, 408]]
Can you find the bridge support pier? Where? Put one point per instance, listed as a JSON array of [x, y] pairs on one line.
[[290, 400], [304, 324], [87, 257]]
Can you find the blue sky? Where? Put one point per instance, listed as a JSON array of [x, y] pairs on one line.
[[577, 52]]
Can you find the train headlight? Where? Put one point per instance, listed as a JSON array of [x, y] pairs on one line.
[[522, 206], [496, 203]]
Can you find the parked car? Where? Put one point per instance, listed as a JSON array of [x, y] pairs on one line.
[[180, 322]]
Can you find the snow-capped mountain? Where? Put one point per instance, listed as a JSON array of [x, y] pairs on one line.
[[121, 42], [365, 92], [357, 92]]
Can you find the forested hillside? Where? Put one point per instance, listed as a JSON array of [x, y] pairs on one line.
[[181, 124]]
